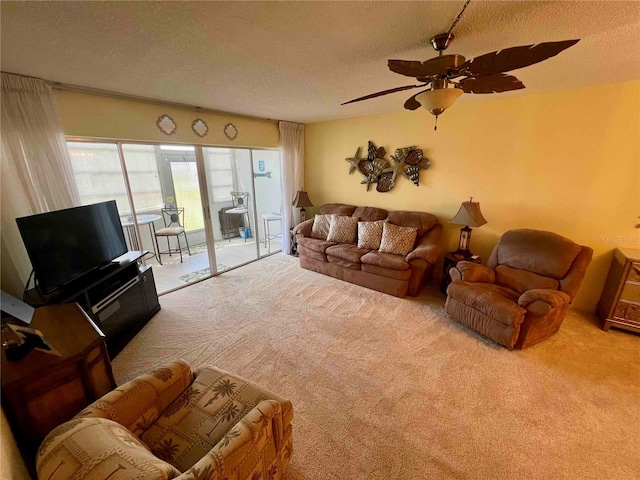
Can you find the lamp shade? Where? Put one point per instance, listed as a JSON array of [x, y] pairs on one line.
[[469, 215], [437, 101], [302, 200]]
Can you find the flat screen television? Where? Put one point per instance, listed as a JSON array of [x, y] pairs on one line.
[[66, 244]]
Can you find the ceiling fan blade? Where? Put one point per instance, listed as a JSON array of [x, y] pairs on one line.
[[495, 83], [412, 103], [514, 57], [436, 66], [384, 92]]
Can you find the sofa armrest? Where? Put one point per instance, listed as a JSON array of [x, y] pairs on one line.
[[303, 228], [254, 436], [138, 403], [541, 301], [472, 272], [429, 247]]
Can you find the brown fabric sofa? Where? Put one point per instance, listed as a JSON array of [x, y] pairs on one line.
[[393, 274], [521, 297], [174, 424]]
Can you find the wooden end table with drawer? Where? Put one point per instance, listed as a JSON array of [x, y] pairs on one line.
[[43, 390], [619, 305]]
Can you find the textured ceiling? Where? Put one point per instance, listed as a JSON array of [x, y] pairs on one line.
[[299, 60]]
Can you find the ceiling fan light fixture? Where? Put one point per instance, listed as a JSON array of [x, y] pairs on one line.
[[437, 101]]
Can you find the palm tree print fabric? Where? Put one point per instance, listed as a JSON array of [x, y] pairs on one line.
[[204, 415]]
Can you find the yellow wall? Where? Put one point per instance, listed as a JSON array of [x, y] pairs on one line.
[[85, 115], [565, 161]]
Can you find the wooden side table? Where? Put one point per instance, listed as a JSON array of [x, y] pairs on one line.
[[619, 305], [451, 259], [42, 390]]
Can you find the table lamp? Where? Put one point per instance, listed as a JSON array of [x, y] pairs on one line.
[[468, 215], [302, 201]]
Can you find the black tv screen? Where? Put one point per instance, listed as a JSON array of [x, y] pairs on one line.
[[65, 244]]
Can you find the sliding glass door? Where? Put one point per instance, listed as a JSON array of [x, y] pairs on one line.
[[231, 203], [198, 210]]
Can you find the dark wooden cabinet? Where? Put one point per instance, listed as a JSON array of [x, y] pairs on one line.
[[619, 304], [43, 390], [120, 298]]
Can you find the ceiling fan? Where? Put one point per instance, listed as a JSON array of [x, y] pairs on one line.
[[449, 76]]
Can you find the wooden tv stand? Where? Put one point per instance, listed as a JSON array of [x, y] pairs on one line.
[[120, 298]]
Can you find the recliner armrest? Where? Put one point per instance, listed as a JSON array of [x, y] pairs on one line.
[[303, 228], [541, 301], [139, 402], [472, 272], [429, 247]]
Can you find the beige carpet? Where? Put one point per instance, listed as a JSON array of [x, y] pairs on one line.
[[388, 388]]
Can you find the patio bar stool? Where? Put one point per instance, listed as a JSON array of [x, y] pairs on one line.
[[173, 227]]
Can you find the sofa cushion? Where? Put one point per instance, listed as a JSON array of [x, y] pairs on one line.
[[385, 260], [370, 214], [397, 240], [521, 280], [305, 252], [370, 234], [351, 253], [343, 263], [488, 299], [337, 209], [544, 253], [315, 244], [320, 227], [420, 220], [343, 229], [386, 272]]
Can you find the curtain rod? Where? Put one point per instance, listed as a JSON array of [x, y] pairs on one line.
[[107, 93]]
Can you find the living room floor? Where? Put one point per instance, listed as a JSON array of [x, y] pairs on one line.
[[389, 388]]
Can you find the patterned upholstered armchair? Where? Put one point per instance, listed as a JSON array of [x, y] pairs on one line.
[[521, 297], [174, 424]]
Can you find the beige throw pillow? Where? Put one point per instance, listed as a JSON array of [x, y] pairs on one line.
[[342, 229], [370, 234], [397, 240], [320, 227]]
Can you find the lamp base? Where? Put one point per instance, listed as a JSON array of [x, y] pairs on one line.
[[303, 215]]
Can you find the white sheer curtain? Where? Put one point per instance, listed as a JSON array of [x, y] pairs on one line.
[[33, 141], [292, 158], [36, 170]]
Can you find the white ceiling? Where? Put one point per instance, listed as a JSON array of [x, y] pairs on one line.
[[299, 60]]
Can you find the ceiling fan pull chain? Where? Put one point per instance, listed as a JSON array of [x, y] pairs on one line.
[[435, 127]]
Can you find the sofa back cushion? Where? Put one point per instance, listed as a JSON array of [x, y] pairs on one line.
[[320, 227], [370, 214], [397, 239], [370, 234], [337, 209], [521, 280], [342, 229], [420, 220], [543, 253]]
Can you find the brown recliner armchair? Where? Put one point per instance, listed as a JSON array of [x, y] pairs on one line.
[[521, 297]]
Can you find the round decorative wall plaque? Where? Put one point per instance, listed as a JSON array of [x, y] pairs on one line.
[[199, 127], [166, 124], [230, 131]]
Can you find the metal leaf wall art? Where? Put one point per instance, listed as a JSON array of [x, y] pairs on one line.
[[408, 161]]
